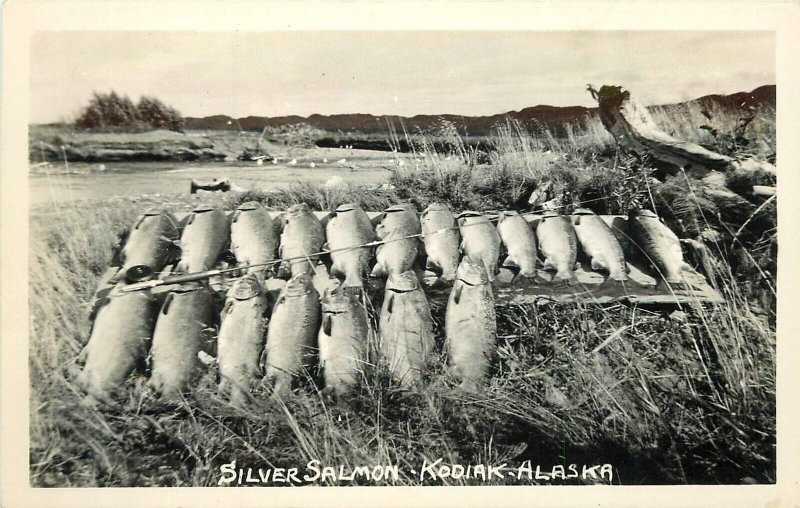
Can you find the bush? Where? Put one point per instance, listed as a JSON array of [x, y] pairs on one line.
[[114, 112]]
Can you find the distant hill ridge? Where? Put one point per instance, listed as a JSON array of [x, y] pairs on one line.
[[552, 117]]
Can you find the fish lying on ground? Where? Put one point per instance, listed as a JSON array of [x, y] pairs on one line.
[[183, 329], [302, 235], [342, 340], [600, 244], [292, 333], [119, 341], [406, 329], [205, 236], [399, 253], [441, 239], [480, 240], [253, 239], [151, 245], [558, 245], [471, 325], [659, 244], [349, 226], [519, 242], [241, 338]]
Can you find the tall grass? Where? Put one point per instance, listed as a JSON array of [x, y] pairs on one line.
[[686, 397]]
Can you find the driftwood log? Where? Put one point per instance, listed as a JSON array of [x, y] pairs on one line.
[[224, 185], [634, 128]]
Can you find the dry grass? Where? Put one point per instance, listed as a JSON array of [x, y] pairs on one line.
[[664, 398]]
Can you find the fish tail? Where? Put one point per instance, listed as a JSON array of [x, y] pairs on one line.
[[240, 398], [378, 271], [434, 266], [510, 262]]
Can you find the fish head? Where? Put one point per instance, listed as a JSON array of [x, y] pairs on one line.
[[203, 208], [403, 282], [469, 217], [402, 207], [472, 271], [147, 214], [642, 213], [298, 210], [246, 287], [506, 214], [337, 302], [248, 206], [346, 207], [436, 207], [299, 285]]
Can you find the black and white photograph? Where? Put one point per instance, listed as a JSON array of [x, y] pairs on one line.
[[401, 258]]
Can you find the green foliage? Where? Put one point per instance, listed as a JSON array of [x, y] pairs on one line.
[[114, 112]]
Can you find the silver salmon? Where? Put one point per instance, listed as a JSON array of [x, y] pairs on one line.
[[520, 243], [480, 240], [441, 239], [253, 239], [342, 341], [292, 333], [241, 338], [350, 226], [302, 235], [206, 235], [399, 253], [152, 242], [119, 341], [558, 245], [659, 243], [471, 325], [184, 327], [406, 329], [600, 244]]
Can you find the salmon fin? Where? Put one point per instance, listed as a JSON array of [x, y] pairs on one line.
[[576, 220], [686, 267], [81, 358], [228, 308], [597, 265], [235, 216], [189, 219], [389, 302], [118, 250], [327, 325], [457, 292], [167, 302]]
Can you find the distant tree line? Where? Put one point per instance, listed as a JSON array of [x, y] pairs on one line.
[[114, 112]]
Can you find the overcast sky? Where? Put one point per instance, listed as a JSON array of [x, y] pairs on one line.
[[397, 73]]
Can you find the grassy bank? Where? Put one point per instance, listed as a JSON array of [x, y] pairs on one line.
[[665, 397]]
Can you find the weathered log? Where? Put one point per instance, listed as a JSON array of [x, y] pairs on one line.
[[632, 126]]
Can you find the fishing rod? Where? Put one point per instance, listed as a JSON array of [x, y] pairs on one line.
[[193, 277]]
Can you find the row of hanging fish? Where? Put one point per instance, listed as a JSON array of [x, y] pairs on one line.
[[279, 342], [301, 332], [434, 238]]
